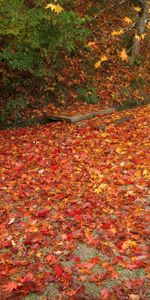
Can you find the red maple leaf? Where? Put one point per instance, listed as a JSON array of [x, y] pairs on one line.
[[11, 286], [27, 277], [20, 167], [42, 213], [51, 258], [58, 270], [104, 293]]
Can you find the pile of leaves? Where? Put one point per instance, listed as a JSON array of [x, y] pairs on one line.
[[74, 210]]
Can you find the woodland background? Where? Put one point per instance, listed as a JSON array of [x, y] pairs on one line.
[[56, 57]]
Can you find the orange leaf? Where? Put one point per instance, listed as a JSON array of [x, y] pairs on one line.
[[119, 32], [123, 55], [127, 20], [11, 286]]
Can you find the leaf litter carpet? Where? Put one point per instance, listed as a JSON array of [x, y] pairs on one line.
[[74, 210]]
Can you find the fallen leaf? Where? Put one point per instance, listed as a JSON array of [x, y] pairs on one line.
[[104, 294], [134, 297], [11, 286], [58, 270], [51, 258], [12, 220], [119, 32], [42, 213], [100, 188], [127, 20], [100, 61]]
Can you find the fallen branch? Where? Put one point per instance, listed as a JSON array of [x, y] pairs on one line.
[[116, 122], [123, 120], [82, 117]]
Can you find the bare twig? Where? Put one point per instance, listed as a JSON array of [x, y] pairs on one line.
[[107, 7]]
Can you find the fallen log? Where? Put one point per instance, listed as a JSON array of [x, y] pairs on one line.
[[123, 119], [73, 119], [116, 122]]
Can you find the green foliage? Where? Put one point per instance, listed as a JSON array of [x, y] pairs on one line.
[[88, 94], [32, 36], [13, 108]]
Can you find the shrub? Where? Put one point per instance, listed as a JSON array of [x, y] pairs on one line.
[[13, 109], [88, 94], [33, 33]]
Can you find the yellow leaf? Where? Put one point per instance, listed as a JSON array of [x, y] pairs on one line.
[[103, 58], [99, 62], [54, 7], [119, 32], [119, 150], [148, 25], [129, 244], [100, 188], [123, 55], [140, 37], [39, 254], [137, 37], [146, 173], [127, 20], [143, 36], [137, 8], [104, 134]]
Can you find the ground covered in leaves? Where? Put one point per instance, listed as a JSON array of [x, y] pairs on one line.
[[75, 210]]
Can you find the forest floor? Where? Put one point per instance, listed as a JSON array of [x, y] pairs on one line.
[[75, 210]]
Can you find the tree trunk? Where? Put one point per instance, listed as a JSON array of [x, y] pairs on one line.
[[140, 30]]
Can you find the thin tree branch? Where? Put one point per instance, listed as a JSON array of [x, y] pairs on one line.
[[107, 7]]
